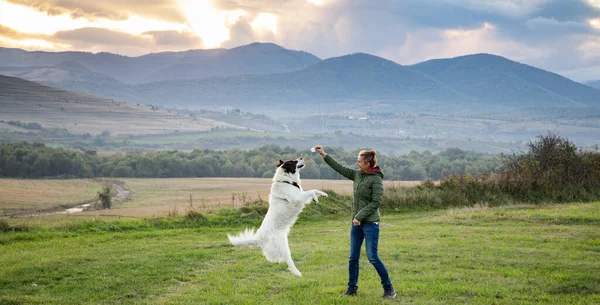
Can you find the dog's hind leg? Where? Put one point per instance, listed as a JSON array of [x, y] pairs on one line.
[[287, 255]]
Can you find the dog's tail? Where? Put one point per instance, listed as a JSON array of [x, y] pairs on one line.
[[245, 238]]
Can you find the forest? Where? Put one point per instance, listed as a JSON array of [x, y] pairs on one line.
[[37, 160]]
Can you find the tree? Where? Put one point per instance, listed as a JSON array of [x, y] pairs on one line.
[[41, 167], [123, 170], [105, 198]]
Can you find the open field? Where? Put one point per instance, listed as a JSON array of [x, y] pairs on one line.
[[19, 196], [159, 197], [510, 255], [148, 197]]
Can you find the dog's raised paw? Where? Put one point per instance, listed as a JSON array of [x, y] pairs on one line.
[[321, 193]]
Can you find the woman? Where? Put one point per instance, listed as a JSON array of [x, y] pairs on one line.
[[368, 189]]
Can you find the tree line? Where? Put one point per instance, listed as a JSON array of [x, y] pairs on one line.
[[37, 160]]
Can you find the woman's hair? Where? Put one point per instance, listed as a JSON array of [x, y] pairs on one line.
[[369, 156]]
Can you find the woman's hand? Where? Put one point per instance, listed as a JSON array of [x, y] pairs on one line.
[[320, 150], [355, 222]]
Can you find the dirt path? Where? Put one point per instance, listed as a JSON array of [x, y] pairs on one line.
[[122, 195]]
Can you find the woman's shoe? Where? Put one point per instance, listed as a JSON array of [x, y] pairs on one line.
[[388, 292], [351, 290]]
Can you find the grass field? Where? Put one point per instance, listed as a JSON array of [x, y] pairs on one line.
[[511, 255], [159, 197], [18, 196], [148, 197]]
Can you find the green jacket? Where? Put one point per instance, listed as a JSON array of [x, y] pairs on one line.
[[368, 190]]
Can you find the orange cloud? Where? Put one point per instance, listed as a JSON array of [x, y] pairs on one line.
[[167, 10]]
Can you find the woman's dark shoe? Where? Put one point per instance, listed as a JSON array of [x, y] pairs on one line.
[[351, 290], [388, 292]]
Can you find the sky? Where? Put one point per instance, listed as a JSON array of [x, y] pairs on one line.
[[562, 36]]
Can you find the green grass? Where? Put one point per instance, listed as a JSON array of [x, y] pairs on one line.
[[545, 254]]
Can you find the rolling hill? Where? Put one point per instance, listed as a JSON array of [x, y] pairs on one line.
[[594, 84], [351, 80], [266, 78], [30, 102], [496, 79], [256, 58], [71, 75], [478, 83]]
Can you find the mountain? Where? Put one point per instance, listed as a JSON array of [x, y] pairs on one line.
[[30, 102], [594, 84], [266, 77], [71, 75], [252, 59], [255, 58], [351, 79], [365, 76], [475, 83], [496, 79]]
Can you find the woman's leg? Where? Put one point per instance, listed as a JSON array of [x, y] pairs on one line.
[[356, 240], [371, 233]]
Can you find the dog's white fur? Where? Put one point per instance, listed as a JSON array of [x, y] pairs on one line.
[[286, 201]]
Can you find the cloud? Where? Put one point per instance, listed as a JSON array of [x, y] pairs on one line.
[[9, 32], [98, 36], [552, 34], [569, 10], [167, 10], [175, 39], [103, 40]]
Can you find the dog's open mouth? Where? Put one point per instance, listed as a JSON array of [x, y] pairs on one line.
[[300, 166]]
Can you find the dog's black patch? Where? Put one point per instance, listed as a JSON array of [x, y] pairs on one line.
[[292, 183], [289, 166]]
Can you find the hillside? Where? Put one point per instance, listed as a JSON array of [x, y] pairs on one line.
[[470, 84], [266, 78], [256, 58], [492, 78], [71, 75], [348, 80], [30, 102], [594, 84]]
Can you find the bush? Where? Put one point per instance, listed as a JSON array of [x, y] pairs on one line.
[[553, 168], [105, 197], [6, 227]]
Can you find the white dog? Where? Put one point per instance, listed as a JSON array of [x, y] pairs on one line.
[[286, 201]]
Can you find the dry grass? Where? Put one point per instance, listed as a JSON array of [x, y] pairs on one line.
[[153, 197], [18, 196], [160, 197]]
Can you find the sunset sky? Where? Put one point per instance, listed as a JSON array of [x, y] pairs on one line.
[[561, 36]]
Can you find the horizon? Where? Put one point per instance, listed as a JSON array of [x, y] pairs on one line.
[[406, 33]]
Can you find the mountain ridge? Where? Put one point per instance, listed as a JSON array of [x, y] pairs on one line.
[[158, 66], [469, 74], [265, 73]]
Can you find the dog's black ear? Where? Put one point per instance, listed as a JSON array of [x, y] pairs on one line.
[[279, 164]]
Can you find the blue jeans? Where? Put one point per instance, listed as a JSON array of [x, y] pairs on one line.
[[370, 233]]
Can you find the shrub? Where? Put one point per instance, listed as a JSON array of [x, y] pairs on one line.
[[105, 197], [553, 168]]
